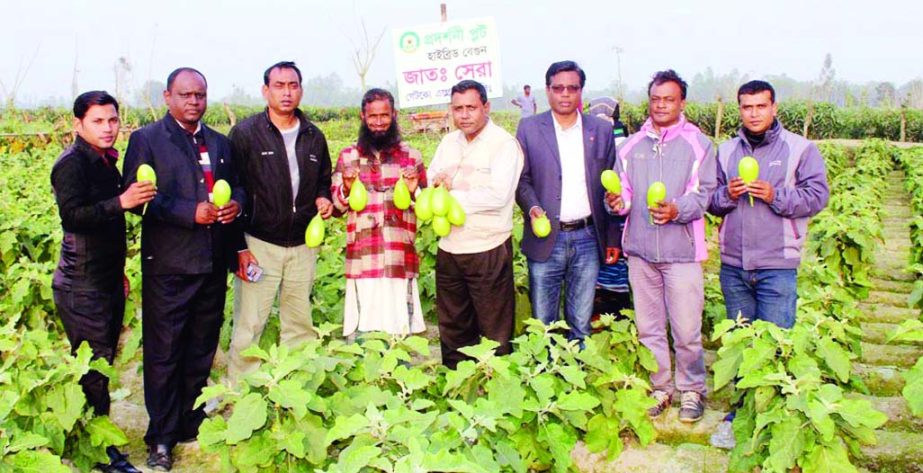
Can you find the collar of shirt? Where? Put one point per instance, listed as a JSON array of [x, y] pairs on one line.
[[198, 127], [578, 125], [111, 155]]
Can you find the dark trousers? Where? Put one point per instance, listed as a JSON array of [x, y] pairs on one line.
[[182, 317], [94, 317], [475, 298]]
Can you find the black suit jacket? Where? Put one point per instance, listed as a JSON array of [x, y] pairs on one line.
[[171, 241]]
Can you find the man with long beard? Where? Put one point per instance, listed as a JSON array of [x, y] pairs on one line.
[[381, 262]]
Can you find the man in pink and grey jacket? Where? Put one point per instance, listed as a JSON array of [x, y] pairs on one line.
[[665, 244]]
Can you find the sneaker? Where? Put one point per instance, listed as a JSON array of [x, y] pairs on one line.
[[723, 436], [692, 407], [663, 403]]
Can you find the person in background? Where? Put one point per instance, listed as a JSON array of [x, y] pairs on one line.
[[613, 292], [526, 102]]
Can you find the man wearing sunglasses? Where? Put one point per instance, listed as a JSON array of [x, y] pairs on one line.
[[565, 153]]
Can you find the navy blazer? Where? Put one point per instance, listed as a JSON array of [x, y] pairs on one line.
[[171, 241], [540, 182]]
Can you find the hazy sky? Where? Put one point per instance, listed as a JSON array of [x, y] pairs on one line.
[[233, 41]]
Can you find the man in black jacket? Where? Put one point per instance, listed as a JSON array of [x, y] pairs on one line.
[[284, 166], [89, 283], [187, 246]]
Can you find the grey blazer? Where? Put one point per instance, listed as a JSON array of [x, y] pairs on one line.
[[540, 182]]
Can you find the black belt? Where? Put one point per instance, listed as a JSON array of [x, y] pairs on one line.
[[576, 224]]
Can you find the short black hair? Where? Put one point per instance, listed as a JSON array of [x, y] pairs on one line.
[[669, 75], [84, 101], [180, 70], [756, 86], [376, 94], [469, 84], [281, 65], [564, 66], [527, 86]]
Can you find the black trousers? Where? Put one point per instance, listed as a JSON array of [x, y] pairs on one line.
[[94, 317], [182, 317], [475, 297]]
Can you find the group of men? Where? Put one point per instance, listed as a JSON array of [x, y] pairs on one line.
[[279, 169]]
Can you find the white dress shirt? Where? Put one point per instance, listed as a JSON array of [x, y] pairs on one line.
[[575, 204]]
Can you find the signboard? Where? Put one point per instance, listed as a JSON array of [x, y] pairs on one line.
[[430, 59]]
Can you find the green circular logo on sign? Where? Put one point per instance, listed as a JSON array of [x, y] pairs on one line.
[[410, 42]]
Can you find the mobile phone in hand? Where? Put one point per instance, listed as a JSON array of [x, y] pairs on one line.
[[254, 272]]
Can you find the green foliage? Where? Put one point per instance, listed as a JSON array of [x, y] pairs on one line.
[[791, 386], [43, 412], [346, 407], [827, 120], [846, 235]]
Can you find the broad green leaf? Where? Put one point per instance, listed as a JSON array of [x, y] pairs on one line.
[[249, 414], [913, 389], [352, 460], [603, 434], [632, 405], [721, 328], [835, 357], [543, 385], [212, 431], [345, 427], [560, 442], [211, 392], [26, 441], [859, 412], [291, 395], [255, 451], [66, 401], [577, 401], [574, 375], [412, 379], [909, 331], [786, 444], [756, 356], [254, 351], [104, 432], [828, 458], [820, 417], [481, 351], [726, 367], [462, 372], [417, 344], [35, 461]]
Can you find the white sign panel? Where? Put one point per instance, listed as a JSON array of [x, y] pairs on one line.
[[430, 59]]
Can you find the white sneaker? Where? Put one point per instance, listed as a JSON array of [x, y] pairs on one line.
[[723, 436]]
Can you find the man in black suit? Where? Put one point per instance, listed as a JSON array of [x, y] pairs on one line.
[[188, 245], [89, 285]]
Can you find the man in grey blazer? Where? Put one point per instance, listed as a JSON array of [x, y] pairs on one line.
[[565, 152]]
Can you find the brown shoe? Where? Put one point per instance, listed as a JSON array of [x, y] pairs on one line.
[[663, 403]]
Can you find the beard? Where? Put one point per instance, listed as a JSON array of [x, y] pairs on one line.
[[379, 140]]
